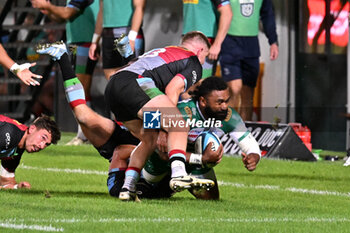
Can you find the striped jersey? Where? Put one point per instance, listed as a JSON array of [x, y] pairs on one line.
[[163, 64]]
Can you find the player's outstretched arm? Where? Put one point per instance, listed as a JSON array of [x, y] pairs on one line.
[[21, 71]]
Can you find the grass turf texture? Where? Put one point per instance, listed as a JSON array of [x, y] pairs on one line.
[[280, 196]]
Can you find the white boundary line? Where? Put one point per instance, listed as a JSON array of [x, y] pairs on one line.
[[6, 224], [237, 185], [290, 189], [163, 219], [65, 170]]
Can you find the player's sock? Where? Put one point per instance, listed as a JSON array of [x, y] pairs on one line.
[[177, 159], [132, 175], [66, 67], [115, 181], [73, 87], [74, 92]]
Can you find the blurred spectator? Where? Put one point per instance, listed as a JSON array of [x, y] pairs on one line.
[[240, 51], [115, 18], [213, 18]]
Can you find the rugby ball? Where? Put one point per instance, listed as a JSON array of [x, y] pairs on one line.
[[204, 139], [202, 142]]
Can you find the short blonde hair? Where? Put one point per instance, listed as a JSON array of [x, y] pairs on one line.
[[195, 36]]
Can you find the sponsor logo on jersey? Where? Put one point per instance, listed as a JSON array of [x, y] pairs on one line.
[[247, 7], [229, 114], [194, 77], [190, 1], [7, 140], [188, 112]]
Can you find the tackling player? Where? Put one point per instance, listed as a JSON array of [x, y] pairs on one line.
[[15, 138], [153, 82]]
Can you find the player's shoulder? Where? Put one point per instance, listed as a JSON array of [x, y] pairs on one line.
[[232, 115], [232, 121], [4, 120], [187, 108], [186, 103]]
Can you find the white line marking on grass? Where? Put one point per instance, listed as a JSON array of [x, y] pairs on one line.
[[201, 220], [290, 189], [30, 227], [66, 170], [319, 192], [237, 185]]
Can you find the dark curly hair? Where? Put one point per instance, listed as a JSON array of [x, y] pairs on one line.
[[207, 86], [45, 122]]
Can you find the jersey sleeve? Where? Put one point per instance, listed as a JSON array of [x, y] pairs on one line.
[[220, 3], [80, 4], [267, 16], [192, 72], [238, 131], [10, 164], [234, 126]]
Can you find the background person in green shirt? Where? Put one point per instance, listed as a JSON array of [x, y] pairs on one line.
[[212, 18], [240, 50], [117, 17]]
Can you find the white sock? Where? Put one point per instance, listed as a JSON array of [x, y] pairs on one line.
[[129, 183], [178, 169]]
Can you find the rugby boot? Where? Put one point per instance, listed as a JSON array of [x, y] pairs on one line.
[[181, 183], [55, 50], [123, 46], [127, 195]]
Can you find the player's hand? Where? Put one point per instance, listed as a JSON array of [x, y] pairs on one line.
[[24, 185], [273, 51], [214, 51], [162, 141], [94, 51], [250, 161], [27, 76], [210, 156]]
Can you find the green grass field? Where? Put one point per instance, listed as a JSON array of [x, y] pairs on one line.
[[69, 194]]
